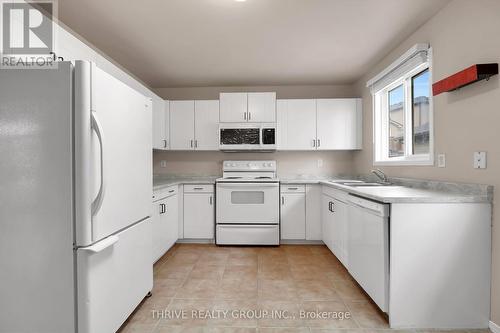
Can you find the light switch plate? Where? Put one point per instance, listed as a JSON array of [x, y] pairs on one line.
[[441, 160], [163, 164], [480, 160]]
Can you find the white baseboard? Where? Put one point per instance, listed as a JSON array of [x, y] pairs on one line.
[[494, 327]]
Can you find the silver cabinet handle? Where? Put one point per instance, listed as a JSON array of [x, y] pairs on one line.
[[198, 188], [249, 116], [314, 143], [164, 143], [293, 188], [171, 191], [210, 200], [191, 143], [196, 143], [282, 200], [245, 116], [319, 143]]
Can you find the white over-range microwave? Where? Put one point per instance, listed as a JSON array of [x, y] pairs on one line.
[[237, 137]]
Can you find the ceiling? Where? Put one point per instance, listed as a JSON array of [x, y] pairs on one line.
[[187, 43]]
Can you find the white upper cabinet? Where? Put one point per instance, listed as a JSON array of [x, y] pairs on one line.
[[206, 124], [319, 124], [262, 107], [338, 123], [296, 124], [194, 125], [248, 107], [182, 125], [161, 125], [233, 107]]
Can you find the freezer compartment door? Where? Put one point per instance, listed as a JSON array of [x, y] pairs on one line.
[[248, 235], [113, 276], [113, 158]]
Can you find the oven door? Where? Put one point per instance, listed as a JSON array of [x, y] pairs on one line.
[[247, 203]]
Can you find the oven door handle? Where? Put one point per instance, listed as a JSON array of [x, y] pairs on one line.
[[246, 185], [247, 226]]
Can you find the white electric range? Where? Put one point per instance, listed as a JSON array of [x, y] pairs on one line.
[[247, 210]]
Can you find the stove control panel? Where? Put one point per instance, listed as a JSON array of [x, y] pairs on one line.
[[249, 166]]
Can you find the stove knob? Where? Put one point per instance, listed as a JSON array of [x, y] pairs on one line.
[[233, 165]]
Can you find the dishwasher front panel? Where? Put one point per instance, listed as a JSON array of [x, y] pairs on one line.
[[369, 252]]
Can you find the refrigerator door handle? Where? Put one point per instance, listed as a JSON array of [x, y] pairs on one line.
[[99, 246], [96, 126]]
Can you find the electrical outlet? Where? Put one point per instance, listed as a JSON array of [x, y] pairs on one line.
[[480, 160], [320, 163], [163, 164], [441, 160]]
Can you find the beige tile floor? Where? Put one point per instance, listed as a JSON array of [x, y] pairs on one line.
[[245, 282]]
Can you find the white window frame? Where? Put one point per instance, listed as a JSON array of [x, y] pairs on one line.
[[381, 122]]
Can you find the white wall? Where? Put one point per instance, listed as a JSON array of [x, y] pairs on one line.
[[71, 46], [462, 34]]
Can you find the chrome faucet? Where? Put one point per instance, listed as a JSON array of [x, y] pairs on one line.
[[380, 175]]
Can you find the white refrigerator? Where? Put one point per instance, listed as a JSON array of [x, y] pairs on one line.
[[75, 200]]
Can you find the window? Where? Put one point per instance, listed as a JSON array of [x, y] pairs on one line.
[[403, 112]]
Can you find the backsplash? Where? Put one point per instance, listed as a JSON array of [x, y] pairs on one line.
[[290, 164]]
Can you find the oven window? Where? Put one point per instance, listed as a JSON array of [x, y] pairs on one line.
[[247, 197], [239, 136]]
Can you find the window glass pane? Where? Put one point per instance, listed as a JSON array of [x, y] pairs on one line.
[[420, 112], [396, 122]]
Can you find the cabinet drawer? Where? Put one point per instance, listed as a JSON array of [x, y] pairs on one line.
[[291, 188], [193, 188], [335, 193], [165, 192]]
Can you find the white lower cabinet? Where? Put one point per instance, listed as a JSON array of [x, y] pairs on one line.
[[164, 221], [340, 233], [199, 212], [313, 212], [335, 223], [293, 215], [326, 221]]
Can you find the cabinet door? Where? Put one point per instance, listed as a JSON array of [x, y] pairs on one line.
[[336, 228], [262, 107], [326, 221], [182, 125], [293, 216], [199, 215], [159, 121], [233, 107], [171, 221], [339, 123], [206, 125], [160, 230], [313, 212], [297, 124]]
